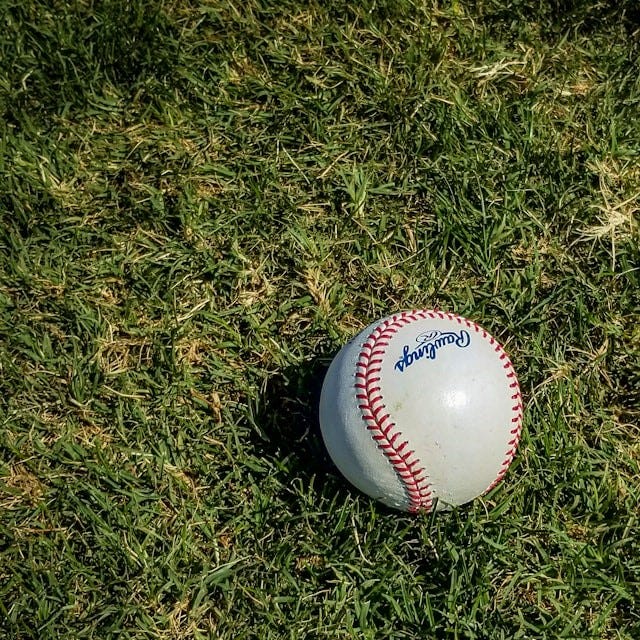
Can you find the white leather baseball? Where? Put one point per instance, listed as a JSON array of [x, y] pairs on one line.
[[419, 406]]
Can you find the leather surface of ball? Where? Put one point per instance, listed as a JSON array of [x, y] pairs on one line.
[[422, 408]]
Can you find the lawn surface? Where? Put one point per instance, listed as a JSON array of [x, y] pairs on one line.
[[200, 202]]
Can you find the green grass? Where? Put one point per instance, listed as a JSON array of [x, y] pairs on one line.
[[200, 202]]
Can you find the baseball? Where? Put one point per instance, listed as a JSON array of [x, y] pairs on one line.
[[422, 410]]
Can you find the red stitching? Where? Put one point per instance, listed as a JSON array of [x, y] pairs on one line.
[[415, 481], [516, 431], [517, 409]]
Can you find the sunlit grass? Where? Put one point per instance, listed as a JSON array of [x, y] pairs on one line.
[[201, 203]]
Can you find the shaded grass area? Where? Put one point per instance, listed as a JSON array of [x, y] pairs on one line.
[[201, 202]]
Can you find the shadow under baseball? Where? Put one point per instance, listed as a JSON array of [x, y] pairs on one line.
[[286, 418]]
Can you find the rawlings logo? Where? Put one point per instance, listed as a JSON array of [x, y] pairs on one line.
[[428, 345]]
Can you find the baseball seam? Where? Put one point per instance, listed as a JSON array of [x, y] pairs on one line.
[[516, 397], [384, 431]]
